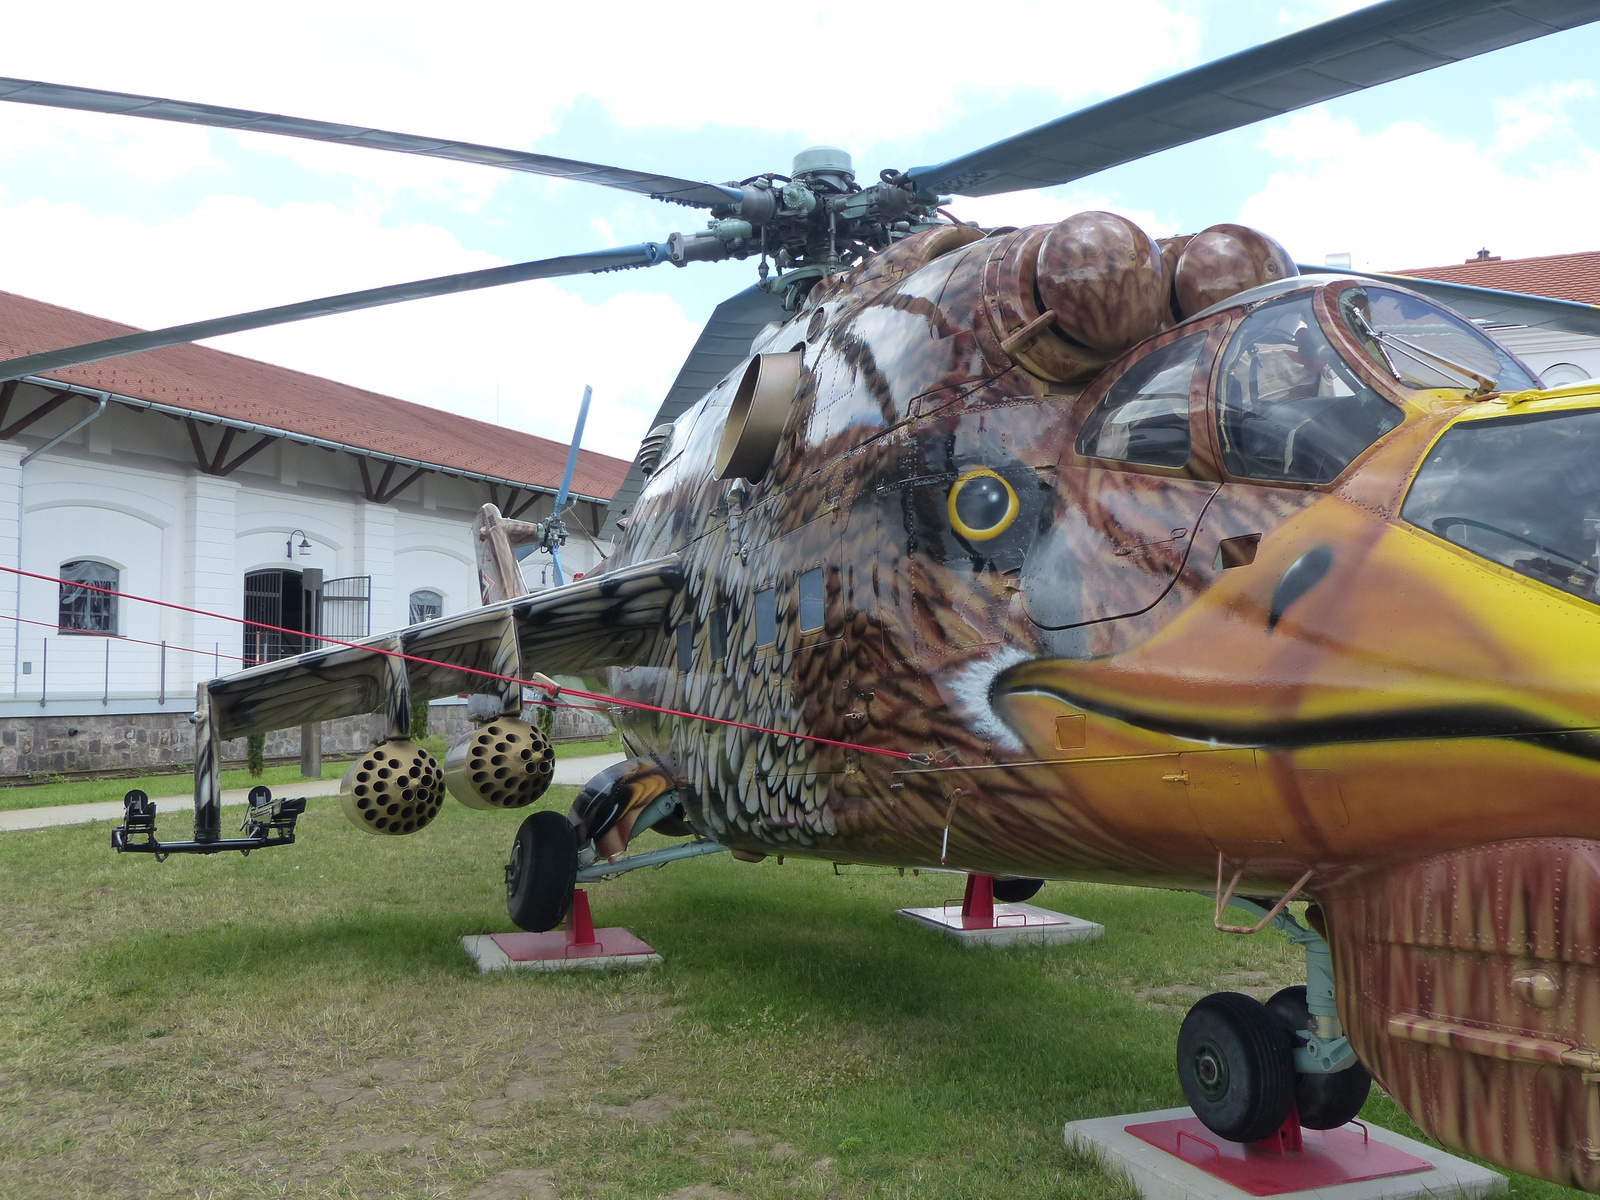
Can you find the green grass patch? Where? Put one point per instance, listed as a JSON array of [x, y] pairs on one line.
[[89, 791], [303, 1023]]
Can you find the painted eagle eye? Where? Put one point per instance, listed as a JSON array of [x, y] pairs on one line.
[[982, 505]]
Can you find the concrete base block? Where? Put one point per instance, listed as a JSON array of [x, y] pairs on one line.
[[1013, 923], [1160, 1176], [490, 956]]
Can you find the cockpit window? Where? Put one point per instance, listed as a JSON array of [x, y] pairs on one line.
[[1144, 416], [1289, 407], [1522, 491], [1420, 345]]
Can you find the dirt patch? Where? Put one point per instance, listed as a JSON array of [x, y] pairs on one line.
[[703, 1191], [1258, 984], [516, 1185], [646, 1113]]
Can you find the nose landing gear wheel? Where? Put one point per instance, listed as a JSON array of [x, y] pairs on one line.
[[542, 872], [1236, 1069], [1324, 1101]]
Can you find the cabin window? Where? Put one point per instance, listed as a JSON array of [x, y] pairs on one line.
[[1521, 491], [811, 600], [81, 610], [766, 611], [719, 634], [1289, 407], [1144, 417], [685, 646], [426, 605]]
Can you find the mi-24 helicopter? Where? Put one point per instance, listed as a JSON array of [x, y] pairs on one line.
[[1062, 552]]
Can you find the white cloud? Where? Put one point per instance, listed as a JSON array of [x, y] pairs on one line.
[[1409, 196], [150, 151], [539, 343]]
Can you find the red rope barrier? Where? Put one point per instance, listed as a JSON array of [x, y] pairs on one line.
[[120, 638], [552, 690]]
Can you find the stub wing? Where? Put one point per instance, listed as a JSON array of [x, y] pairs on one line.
[[608, 619]]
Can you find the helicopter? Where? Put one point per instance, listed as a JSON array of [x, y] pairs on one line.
[[1064, 552]]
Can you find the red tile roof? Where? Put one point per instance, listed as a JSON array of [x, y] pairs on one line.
[[211, 383], [1561, 276]]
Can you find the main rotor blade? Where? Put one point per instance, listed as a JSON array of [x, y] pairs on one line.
[[647, 183], [1360, 50], [1490, 305], [644, 255], [722, 345]]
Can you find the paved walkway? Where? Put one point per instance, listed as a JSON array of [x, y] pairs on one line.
[[576, 771]]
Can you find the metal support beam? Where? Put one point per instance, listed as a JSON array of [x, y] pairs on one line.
[[653, 858], [218, 463], [56, 400], [207, 771], [381, 492]]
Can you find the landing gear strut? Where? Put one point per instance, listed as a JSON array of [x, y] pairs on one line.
[[1323, 1101], [1245, 1066]]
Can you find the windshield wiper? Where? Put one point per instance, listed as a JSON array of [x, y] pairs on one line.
[[1419, 354]]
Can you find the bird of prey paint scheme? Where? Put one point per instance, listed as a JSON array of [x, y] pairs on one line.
[[1065, 553]]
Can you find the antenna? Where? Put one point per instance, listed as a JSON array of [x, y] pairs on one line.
[[557, 530]]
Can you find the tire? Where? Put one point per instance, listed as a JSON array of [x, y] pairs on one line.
[[1323, 1101], [1236, 1069], [542, 872], [1017, 889]]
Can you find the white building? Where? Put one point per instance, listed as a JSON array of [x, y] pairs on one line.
[[1557, 356], [224, 486]]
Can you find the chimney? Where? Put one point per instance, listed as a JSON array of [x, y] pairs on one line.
[[1484, 256]]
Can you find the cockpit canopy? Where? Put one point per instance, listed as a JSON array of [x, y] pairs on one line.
[[1295, 401]]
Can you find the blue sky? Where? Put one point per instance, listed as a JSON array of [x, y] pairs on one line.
[[154, 224]]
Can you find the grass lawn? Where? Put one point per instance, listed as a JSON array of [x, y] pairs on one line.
[[88, 791], [303, 1023]]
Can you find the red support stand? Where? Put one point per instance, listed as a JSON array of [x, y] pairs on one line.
[[1288, 1138], [1290, 1161], [580, 944], [580, 922], [977, 906]]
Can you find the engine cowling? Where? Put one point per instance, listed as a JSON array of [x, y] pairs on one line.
[[505, 763], [396, 788]]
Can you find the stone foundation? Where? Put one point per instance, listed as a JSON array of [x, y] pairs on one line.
[[153, 743]]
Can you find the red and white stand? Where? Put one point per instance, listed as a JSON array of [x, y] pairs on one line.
[[1170, 1154], [580, 946], [979, 920]]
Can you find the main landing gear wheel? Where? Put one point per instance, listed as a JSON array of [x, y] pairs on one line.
[[1324, 1101], [542, 872], [1016, 890], [1236, 1069]]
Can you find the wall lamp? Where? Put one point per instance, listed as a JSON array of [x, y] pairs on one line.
[[305, 545]]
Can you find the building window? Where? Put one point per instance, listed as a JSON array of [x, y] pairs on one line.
[[82, 610], [811, 600], [426, 605], [766, 606]]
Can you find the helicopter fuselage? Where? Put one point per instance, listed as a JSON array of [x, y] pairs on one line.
[[1137, 672]]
